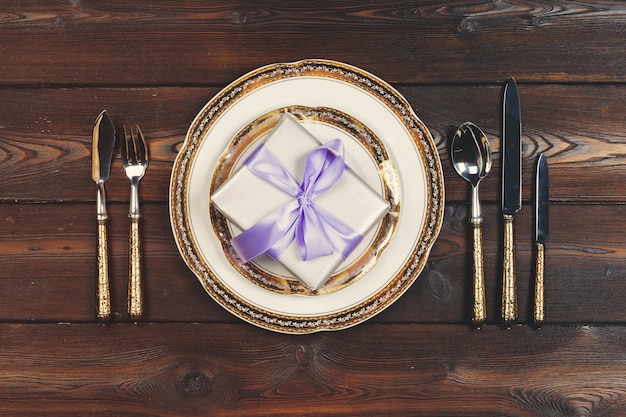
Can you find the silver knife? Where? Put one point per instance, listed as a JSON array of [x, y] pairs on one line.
[[102, 153], [511, 194], [541, 236]]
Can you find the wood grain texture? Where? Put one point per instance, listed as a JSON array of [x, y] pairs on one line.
[[580, 256], [371, 370], [80, 42], [158, 63]]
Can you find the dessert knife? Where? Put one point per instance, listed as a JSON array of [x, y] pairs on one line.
[[103, 142], [541, 236], [511, 194]]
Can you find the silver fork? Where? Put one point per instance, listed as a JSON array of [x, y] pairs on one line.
[[135, 163]]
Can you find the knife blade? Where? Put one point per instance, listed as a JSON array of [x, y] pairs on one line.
[[511, 194], [541, 236], [103, 142]]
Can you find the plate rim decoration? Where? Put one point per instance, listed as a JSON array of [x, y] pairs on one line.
[[220, 283]]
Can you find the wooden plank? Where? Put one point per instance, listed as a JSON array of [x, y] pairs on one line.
[[44, 147], [192, 42], [47, 147], [370, 370], [47, 254]]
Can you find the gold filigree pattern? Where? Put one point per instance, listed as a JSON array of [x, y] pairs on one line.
[[103, 295], [479, 313], [509, 285], [135, 296], [539, 302]]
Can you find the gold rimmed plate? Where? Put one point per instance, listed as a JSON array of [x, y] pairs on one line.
[[392, 151]]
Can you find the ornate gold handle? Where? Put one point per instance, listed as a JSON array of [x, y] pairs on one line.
[[539, 304], [102, 292], [509, 286], [479, 313], [135, 296]]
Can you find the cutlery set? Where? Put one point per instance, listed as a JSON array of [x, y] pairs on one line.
[[471, 158], [135, 162]]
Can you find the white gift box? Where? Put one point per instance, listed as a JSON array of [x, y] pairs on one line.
[[245, 199]]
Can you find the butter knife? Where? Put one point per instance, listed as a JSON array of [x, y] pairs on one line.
[[511, 195], [541, 237], [103, 142]]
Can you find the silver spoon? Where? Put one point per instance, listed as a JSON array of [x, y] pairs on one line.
[[471, 157]]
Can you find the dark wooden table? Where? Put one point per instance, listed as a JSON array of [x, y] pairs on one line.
[[158, 63]]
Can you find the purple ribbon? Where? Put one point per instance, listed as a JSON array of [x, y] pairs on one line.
[[316, 231]]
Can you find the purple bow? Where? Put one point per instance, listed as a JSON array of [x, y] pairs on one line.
[[316, 231]]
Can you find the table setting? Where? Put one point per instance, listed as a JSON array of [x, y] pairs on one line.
[[253, 120], [286, 209], [330, 306]]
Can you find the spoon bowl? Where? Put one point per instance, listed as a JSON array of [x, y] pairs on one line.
[[471, 154], [471, 157]]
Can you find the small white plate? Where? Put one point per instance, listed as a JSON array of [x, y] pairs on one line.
[[409, 148], [368, 159]]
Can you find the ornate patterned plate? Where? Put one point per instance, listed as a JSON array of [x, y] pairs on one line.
[[408, 175]]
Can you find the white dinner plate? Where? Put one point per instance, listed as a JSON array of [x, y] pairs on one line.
[[411, 169]]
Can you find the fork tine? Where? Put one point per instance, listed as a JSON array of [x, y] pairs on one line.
[[131, 146], [134, 150], [140, 146]]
